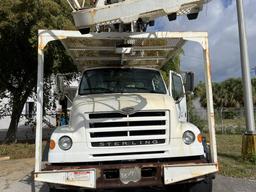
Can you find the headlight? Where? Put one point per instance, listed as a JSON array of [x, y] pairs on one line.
[[65, 143], [188, 137]]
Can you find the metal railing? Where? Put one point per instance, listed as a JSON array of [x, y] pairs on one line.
[[82, 4], [227, 120]]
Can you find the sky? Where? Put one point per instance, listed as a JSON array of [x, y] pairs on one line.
[[219, 19]]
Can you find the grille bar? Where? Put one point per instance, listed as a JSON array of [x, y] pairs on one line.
[[127, 133], [130, 138], [118, 115], [123, 154], [150, 132], [109, 134], [126, 124], [118, 130], [148, 114], [106, 115], [134, 128], [126, 119]]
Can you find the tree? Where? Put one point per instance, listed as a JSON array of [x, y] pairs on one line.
[[228, 93], [173, 64], [19, 23]]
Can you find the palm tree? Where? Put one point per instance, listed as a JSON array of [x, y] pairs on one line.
[[225, 94]]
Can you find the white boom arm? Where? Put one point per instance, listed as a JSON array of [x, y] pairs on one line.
[[106, 13]]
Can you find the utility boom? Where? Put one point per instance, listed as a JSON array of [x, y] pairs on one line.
[[129, 15]]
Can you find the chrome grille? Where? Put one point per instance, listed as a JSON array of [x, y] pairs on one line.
[[117, 130]]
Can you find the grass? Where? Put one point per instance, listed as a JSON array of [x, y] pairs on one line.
[[229, 155], [230, 160], [18, 150]]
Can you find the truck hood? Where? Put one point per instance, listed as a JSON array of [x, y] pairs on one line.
[[117, 102]]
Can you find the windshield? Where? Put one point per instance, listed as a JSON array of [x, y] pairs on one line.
[[118, 80]]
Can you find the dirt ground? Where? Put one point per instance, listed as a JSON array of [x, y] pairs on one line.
[[16, 177]]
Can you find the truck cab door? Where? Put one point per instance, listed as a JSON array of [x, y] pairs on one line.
[[177, 91]]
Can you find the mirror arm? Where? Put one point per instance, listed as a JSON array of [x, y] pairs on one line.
[[178, 100], [69, 99]]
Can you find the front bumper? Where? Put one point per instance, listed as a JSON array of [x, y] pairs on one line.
[[107, 176]]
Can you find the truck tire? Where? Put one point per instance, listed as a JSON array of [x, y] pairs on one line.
[[176, 188], [202, 186], [52, 189], [55, 190], [207, 151], [45, 152]]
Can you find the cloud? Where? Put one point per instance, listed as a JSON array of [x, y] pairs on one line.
[[219, 19]]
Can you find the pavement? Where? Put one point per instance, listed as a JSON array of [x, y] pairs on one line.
[[16, 177]]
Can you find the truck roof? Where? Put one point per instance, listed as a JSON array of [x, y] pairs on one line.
[[147, 50]]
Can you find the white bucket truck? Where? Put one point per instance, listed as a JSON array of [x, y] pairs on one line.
[[127, 128]]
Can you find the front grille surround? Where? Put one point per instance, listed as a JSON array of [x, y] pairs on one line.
[[145, 128]]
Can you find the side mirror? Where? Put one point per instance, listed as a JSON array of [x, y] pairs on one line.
[[188, 78], [176, 86], [66, 88]]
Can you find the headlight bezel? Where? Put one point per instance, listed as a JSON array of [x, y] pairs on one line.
[[60, 143], [188, 137]]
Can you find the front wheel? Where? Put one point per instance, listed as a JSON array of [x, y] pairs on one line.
[[60, 190], [202, 186], [54, 190]]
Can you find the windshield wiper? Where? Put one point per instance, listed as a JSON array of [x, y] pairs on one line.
[[149, 91], [98, 89], [140, 88], [145, 89], [159, 92]]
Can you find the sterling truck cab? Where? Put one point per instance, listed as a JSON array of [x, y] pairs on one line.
[[127, 127], [126, 114]]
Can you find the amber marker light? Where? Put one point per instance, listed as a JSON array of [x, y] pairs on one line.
[[200, 138], [52, 144]]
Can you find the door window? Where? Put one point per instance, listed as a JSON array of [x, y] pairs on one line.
[[177, 87]]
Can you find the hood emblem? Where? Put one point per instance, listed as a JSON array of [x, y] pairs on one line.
[[128, 111]]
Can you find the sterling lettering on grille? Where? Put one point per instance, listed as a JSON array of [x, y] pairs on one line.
[[128, 143]]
